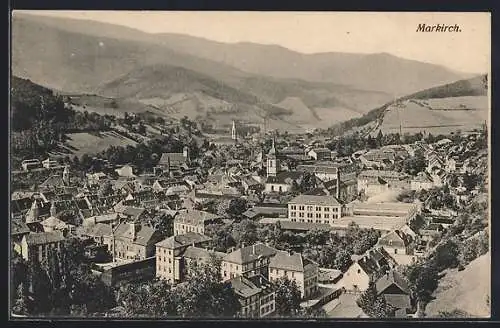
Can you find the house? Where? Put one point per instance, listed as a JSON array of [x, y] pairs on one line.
[[422, 181], [363, 269], [255, 294], [320, 154], [125, 171], [400, 246], [174, 161], [283, 182], [193, 221], [18, 229], [29, 164], [247, 261], [100, 233], [267, 211], [295, 267], [134, 241], [314, 209], [250, 185], [50, 163], [170, 264], [393, 287], [54, 224], [96, 178], [373, 182], [38, 246]]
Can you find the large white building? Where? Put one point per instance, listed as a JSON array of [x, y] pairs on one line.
[[314, 209]]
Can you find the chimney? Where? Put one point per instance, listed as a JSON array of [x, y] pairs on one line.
[[253, 249]]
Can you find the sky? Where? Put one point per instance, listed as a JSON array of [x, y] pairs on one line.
[[316, 32]]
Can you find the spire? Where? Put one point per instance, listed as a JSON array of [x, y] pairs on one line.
[[66, 175], [53, 210], [33, 213], [233, 131]]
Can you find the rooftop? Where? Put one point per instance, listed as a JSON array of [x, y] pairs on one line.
[[315, 200], [42, 238], [291, 262], [195, 217], [190, 238], [250, 253]]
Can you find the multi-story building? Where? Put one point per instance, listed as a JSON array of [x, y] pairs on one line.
[[170, 261], [314, 209], [320, 154], [193, 221], [256, 296], [38, 246], [134, 241], [247, 261], [295, 267], [373, 182]]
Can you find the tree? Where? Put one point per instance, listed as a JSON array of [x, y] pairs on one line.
[[164, 224], [21, 303], [237, 207], [423, 279], [379, 139], [287, 297], [374, 306], [343, 260]]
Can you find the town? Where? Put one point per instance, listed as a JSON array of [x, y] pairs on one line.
[[251, 226]]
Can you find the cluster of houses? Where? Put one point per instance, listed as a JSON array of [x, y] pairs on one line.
[[120, 220]]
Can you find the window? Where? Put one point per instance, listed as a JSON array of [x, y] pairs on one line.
[[294, 220], [359, 271], [293, 214], [293, 207], [301, 215], [309, 208], [280, 189], [326, 209], [395, 250], [272, 187], [309, 215], [327, 216], [301, 208], [318, 215], [292, 274], [318, 208], [169, 270]]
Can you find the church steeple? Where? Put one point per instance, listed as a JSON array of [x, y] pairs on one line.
[[66, 178], [33, 213], [272, 160], [233, 132], [53, 210]]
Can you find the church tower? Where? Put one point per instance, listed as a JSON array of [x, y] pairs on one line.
[[53, 210], [272, 161], [66, 178], [33, 213], [233, 132]]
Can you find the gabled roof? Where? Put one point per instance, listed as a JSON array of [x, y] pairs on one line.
[[395, 238], [42, 238], [392, 278], [99, 230], [244, 287], [193, 252], [250, 253], [291, 262], [142, 235], [53, 222], [175, 159], [190, 238], [195, 217], [287, 177]]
